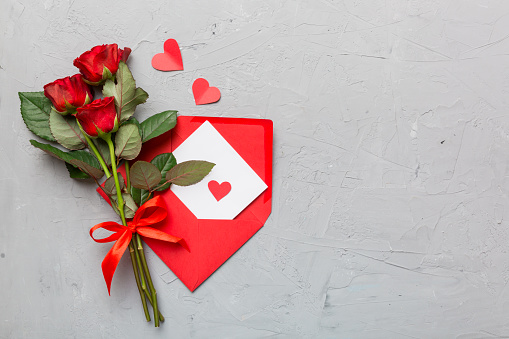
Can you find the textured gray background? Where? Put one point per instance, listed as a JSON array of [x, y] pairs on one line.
[[391, 152]]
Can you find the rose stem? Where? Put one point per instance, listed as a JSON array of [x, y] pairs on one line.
[[135, 269], [120, 204], [147, 292], [150, 301], [149, 279], [121, 210], [128, 177], [128, 185], [140, 268], [97, 155], [131, 244]]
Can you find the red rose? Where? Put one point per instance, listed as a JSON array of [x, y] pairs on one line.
[[101, 62], [68, 93], [98, 117]]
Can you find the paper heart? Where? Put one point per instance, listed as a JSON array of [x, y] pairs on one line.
[[170, 59], [203, 93], [219, 190]]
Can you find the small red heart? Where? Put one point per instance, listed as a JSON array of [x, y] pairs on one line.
[[219, 191], [203, 94], [171, 59]]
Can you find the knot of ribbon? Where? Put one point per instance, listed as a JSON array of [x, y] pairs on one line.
[[150, 213]]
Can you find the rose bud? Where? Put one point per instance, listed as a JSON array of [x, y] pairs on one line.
[[101, 63], [98, 118], [68, 93]]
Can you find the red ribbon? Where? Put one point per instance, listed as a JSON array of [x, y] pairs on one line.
[[150, 213]]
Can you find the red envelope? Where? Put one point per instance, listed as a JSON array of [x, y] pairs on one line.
[[212, 242]]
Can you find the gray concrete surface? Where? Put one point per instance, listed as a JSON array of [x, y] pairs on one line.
[[390, 213]]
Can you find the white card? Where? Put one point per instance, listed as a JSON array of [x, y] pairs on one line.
[[212, 198]]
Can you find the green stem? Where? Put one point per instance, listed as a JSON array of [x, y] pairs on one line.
[[135, 260], [136, 255], [141, 277], [98, 155], [115, 175], [136, 272], [149, 279], [149, 297], [140, 267], [128, 176]]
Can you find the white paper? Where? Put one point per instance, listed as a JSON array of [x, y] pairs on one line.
[[207, 144]]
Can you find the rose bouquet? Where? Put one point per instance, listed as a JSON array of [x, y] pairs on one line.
[[66, 113]]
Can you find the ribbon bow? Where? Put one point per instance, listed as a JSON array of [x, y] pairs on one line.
[[150, 213]]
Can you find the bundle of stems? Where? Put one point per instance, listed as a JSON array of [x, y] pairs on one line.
[[140, 268]]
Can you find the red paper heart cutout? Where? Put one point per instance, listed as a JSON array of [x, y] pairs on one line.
[[171, 59], [203, 93], [219, 190]]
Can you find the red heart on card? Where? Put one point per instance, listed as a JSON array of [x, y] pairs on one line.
[[171, 59], [219, 190], [203, 93]]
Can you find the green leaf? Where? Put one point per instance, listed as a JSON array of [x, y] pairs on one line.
[[66, 131], [189, 172], [127, 142], [140, 196], [81, 159], [75, 172], [130, 206], [109, 185], [164, 162], [87, 168], [139, 97], [103, 149], [35, 110], [109, 90], [127, 96], [158, 124], [133, 121], [145, 175]]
